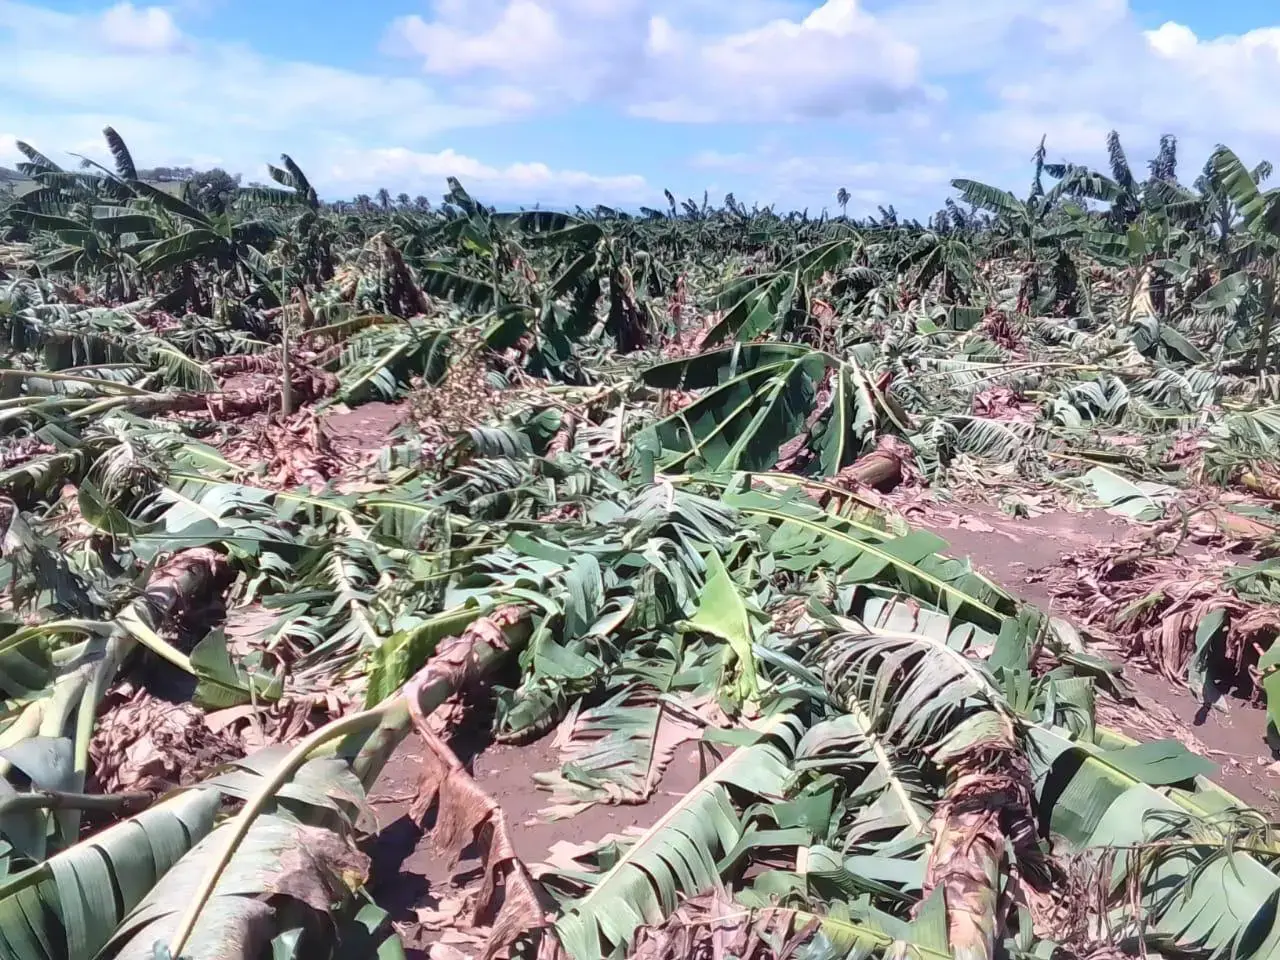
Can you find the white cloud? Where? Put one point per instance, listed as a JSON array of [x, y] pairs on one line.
[[557, 51], [889, 98], [126, 27], [1172, 40], [664, 64], [1017, 70], [837, 61], [525, 36], [179, 101], [923, 89], [534, 182]]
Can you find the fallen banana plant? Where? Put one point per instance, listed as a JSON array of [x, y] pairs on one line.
[[680, 855], [919, 770], [366, 738]]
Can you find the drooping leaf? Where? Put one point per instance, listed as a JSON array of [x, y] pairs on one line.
[[678, 855]]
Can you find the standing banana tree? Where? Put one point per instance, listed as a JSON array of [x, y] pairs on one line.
[[1036, 231], [1258, 212]]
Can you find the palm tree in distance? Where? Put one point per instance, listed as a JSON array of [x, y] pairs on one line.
[[842, 198]]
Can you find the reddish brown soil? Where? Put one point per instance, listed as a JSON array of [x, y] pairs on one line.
[[366, 428], [1021, 555], [409, 873]]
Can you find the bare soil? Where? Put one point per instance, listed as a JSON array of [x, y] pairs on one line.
[[1022, 555], [365, 429]]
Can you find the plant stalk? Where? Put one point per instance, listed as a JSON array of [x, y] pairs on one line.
[[374, 733]]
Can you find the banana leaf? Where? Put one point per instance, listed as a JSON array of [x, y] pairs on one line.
[[680, 855], [68, 907], [1196, 888]]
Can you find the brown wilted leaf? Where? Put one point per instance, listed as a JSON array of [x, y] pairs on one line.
[[294, 452], [1153, 605], [509, 902], [445, 916], [1000, 329], [463, 398], [1002, 403], [262, 393], [143, 744], [23, 449], [403, 295], [321, 869], [245, 363], [713, 927], [1218, 522], [282, 722]]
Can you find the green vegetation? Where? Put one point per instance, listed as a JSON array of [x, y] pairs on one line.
[[632, 502]]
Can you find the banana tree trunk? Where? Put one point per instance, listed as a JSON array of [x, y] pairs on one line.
[[1268, 319], [987, 806], [880, 470], [181, 584]]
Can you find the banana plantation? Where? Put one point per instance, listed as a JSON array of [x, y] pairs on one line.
[[658, 489]]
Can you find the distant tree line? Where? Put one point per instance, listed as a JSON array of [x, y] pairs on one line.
[[382, 200]]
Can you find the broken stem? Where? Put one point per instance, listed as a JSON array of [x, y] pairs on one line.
[[286, 367], [56, 800], [377, 730]]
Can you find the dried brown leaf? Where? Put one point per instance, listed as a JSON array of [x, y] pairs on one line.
[[321, 869], [142, 743], [509, 902]]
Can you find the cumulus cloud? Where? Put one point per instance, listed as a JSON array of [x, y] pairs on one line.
[[888, 98], [555, 51], [967, 82], [54, 67], [836, 60], [178, 101], [524, 37], [1074, 69]]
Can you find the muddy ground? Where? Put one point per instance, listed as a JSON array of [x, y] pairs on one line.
[[1021, 555]]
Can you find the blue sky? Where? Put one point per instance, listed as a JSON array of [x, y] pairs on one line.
[[609, 101]]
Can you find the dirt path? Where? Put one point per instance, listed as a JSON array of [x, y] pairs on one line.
[[410, 875], [1022, 555]]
